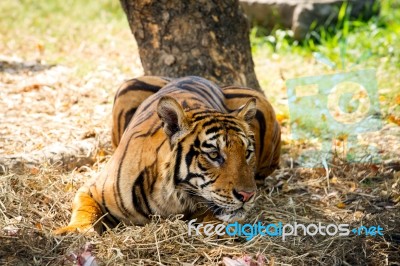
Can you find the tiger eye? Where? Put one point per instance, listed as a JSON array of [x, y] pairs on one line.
[[213, 155]]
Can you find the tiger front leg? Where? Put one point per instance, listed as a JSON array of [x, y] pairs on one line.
[[205, 218], [85, 213]]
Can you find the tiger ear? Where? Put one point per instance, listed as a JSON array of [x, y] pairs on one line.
[[248, 111], [172, 115]]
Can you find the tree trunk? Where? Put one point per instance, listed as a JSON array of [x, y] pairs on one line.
[[208, 38]]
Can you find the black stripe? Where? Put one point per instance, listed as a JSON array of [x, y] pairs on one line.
[[261, 121], [139, 197], [190, 155], [196, 143], [119, 126], [215, 115], [208, 183], [206, 115], [103, 197], [177, 164], [206, 87], [210, 122], [225, 121], [189, 184], [237, 95], [167, 79], [214, 129], [189, 105], [185, 105], [214, 137], [117, 194], [165, 90], [206, 145], [109, 218], [211, 87], [128, 117], [141, 180], [203, 112], [142, 118], [230, 87], [201, 167], [154, 128], [190, 176], [153, 175], [139, 86], [235, 128], [207, 97]]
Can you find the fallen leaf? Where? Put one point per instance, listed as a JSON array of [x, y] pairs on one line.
[[11, 230], [396, 198], [394, 119], [272, 261], [245, 261], [281, 117], [40, 47], [358, 215], [86, 258], [101, 153], [341, 205], [374, 168], [68, 187], [34, 170], [39, 226], [397, 100], [31, 87], [89, 134]]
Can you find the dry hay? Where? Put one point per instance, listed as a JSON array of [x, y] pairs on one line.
[[34, 203]]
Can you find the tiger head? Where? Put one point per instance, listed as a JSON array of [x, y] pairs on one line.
[[213, 157]]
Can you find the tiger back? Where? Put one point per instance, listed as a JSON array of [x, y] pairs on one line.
[[265, 126], [182, 146]]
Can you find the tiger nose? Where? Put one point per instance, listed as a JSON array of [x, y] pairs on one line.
[[243, 196]]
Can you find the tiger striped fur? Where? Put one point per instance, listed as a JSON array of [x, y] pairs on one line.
[[183, 146]]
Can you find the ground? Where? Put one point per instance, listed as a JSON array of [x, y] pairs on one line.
[[58, 73]]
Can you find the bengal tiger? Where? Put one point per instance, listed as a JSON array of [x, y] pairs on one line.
[[182, 146]]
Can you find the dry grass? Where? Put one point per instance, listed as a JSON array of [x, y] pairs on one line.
[[33, 205], [61, 102]]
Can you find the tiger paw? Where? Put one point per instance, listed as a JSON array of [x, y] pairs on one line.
[[77, 228]]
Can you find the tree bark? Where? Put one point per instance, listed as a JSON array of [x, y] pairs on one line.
[[208, 38]]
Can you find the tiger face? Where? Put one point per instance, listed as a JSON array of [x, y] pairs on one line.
[[213, 156]]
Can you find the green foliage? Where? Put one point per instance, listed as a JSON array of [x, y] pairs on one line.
[[344, 45], [347, 45]]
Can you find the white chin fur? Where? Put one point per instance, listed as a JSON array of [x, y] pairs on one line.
[[232, 217]]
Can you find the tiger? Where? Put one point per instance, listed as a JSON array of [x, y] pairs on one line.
[[182, 146]]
